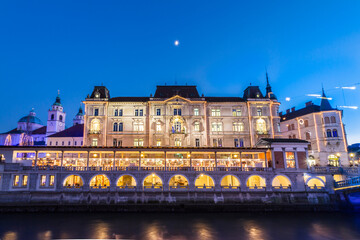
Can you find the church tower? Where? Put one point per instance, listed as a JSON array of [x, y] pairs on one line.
[[56, 117], [79, 118]]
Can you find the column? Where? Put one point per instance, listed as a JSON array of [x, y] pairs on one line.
[[139, 160], [62, 159], [273, 159], [296, 158], [266, 162], [215, 160], [36, 157], [241, 165], [190, 161], [114, 161], [284, 157], [88, 159], [165, 161]]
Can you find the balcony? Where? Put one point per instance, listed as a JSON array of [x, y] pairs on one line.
[[94, 132], [175, 131]]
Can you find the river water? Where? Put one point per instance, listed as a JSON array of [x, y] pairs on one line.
[[179, 226]]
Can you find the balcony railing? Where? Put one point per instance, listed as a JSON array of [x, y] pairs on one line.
[[94, 131]]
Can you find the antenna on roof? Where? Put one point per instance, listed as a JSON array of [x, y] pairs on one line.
[[58, 92]]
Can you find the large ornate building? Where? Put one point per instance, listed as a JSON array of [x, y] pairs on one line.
[[322, 126], [179, 116]]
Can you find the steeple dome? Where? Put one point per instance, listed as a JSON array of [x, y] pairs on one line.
[[269, 92], [57, 100]]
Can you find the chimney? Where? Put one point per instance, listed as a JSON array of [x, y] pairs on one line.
[[280, 113], [287, 111], [308, 103], [293, 109]]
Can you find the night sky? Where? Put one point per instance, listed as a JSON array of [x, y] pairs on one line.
[[223, 47]]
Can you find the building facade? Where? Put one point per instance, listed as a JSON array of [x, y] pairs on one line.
[[322, 127], [179, 116]]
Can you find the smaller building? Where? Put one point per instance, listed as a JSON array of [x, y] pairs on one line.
[[322, 127]]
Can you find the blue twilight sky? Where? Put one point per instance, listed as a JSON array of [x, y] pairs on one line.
[[129, 47]]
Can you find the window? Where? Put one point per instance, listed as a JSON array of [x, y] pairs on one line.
[[158, 126], [16, 181], [197, 142], [261, 126], [332, 119], [95, 126], [42, 180], [292, 126], [328, 133], [290, 159], [56, 143], [62, 143], [290, 137], [278, 127], [114, 142], [50, 143], [141, 112], [115, 128], [335, 133], [121, 127], [158, 112], [197, 127], [178, 142], [136, 112], [215, 112], [259, 112], [306, 123], [116, 112], [75, 143], [216, 127], [96, 112], [327, 120], [94, 142], [81, 143], [139, 127], [217, 142], [25, 180], [120, 112], [289, 127], [52, 180], [158, 142], [294, 136], [236, 112], [177, 127], [307, 135], [333, 160], [196, 112], [138, 142], [238, 127], [69, 143], [238, 142], [120, 143], [177, 111], [52, 116], [61, 118]]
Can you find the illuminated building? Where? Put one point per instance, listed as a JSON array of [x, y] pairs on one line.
[[322, 126]]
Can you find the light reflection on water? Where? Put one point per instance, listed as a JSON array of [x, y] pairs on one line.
[[177, 226]]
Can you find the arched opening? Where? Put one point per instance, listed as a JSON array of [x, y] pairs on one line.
[[328, 133], [178, 181], [73, 181], [230, 181], [335, 133], [153, 181], [204, 181], [327, 120], [100, 181], [261, 126], [126, 181], [333, 120], [256, 182], [61, 118], [95, 126], [315, 183], [281, 182]]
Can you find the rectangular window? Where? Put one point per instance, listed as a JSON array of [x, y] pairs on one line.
[[177, 142], [238, 127], [141, 112], [138, 142], [216, 127], [158, 127], [136, 112], [120, 112], [120, 143], [290, 159], [197, 142], [236, 142], [94, 142], [121, 127], [215, 112], [177, 111], [158, 112], [259, 112], [75, 143], [196, 112], [42, 180], [25, 180], [114, 142], [63, 143], [50, 143], [158, 143], [220, 142], [69, 143], [81, 143], [56, 143], [116, 112], [241, 141], [96, 112], [139, 127], [197, 127], [141, 142], [236, 112], [16, 181], [52, 180]]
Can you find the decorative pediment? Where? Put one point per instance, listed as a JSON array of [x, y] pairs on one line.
[[177, 99]]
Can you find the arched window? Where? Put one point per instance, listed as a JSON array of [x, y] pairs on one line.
[[294, 136], [152, 180], [121, 127], [261, 126], [204, 181], [290, 137], [333, 119], [61, 118], [8, 140], [292, 127], [327, 120], [335, 133], [307, 135], [306, 123], [73, 181], [115, 127], [328, 133], [52, 117], [178, 181], [126, 181], [100, 181], [95, 126], [289, 127]]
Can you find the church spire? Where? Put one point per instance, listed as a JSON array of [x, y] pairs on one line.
[[325, 104], [57, 100], [269, 92]]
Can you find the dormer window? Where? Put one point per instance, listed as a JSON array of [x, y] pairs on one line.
[[96, 112], [97, 95]]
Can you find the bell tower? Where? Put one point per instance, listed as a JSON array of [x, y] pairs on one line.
[[56, 117]]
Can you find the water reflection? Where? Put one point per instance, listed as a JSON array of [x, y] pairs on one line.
[[178, 226]]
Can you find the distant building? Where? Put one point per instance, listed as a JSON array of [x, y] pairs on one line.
[[322, 126], [354, 154]]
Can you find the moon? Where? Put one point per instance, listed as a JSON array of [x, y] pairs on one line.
[[176, 43]]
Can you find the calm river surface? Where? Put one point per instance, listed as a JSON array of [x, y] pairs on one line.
[[179, 226]]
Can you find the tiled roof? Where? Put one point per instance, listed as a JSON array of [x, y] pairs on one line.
[[170, 91], [283, 140], [301, 112], [41, 130], [129, 99], [74, 131]]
